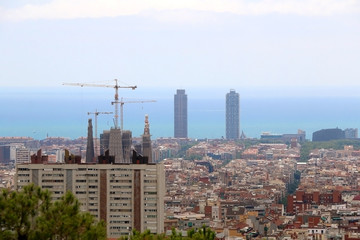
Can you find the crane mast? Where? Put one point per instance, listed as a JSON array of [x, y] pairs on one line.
[[122, 102], [116, 86], [96, 114]]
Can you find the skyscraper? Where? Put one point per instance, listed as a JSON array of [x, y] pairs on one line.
[[232, 115], [180, 114]]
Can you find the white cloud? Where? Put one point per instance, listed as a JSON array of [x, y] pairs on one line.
[[71, 9]]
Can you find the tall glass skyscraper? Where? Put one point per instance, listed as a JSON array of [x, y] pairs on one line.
[[232, 115], [180, 114]]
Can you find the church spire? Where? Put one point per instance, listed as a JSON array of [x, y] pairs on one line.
[[146, 140], [90, 153], [147, 127]]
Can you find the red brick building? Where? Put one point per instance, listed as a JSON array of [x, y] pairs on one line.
[[302, 200]]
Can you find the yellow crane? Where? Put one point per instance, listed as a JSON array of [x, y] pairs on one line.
[[96, 114], [122, 102], [116, 86]]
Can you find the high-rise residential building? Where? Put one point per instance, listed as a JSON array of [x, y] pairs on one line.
[[5, 154], [125, 196], [146, 141], [22, 155], [232, 115], [180, 114], [351, 133]]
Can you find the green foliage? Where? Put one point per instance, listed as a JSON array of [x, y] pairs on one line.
[[306, 147], [203, 233], [184, 147], [146, 235], [29, 214]]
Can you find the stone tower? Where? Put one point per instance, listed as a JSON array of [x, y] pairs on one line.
[[146, 141], [90, 154], [115, 145]]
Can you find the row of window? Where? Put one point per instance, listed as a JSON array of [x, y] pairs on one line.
[[121, 175], [84, 181], [52, 180], [23, 175], [84, 192], [52, 175], [120, 181], [120, 222], [87, 175], [120, 192], [120, 228], [87, 169], [150, 204], [121, 169], [150, 193], [122, 187], [120, 199], [119, 204], [119, 216], [150, 181], [120, 210], [150, 210], [150, 199]]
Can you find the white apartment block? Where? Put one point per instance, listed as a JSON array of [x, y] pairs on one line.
[[125, 196], [22, 155]]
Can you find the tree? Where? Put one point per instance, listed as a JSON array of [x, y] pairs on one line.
[[146, 235], [19, 211], [29, 214], [204, 233]]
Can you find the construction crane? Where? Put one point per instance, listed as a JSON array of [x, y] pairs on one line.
[[122, 108], [96, 114], [116, 86]]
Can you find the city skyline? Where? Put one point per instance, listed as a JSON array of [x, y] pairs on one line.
[[301, 52], [206, 116]]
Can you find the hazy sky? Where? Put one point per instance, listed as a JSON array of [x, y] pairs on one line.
[[299, 45]]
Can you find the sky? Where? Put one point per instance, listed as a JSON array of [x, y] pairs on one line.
[[158, 44], [260, 48]]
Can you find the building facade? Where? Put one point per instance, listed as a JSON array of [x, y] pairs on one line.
[[351, 133], [232, 115], [5, 154], [125, 196], [146, 141], [180, 114], [328, 135], [22, 155]]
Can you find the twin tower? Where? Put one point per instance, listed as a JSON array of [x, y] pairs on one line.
[[232, 115], [117, 144]]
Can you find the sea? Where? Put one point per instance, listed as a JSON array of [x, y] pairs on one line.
[[58, 113]]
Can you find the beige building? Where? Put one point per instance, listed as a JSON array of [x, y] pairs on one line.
[[22, 155], [125, 196]]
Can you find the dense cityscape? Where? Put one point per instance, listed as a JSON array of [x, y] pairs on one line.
[[280, 186], [179, 120]]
